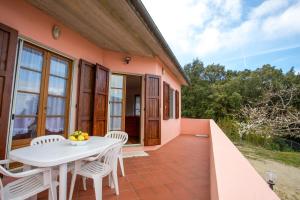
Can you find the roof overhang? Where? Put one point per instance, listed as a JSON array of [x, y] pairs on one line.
[[123, 26]]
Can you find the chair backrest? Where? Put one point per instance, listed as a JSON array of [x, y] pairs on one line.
[[120, 135], [111, 154], [46, 139]]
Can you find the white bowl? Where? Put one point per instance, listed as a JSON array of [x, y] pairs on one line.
[[78, 143]]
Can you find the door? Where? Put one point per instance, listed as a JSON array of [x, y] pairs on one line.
[[117, 102], [152, 110], [8, 47], [41, 95], [93, 83], [100, 101], [85, 102]]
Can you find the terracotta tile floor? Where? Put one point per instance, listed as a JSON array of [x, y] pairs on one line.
[[178, 170]]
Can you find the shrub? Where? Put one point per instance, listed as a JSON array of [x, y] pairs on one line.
[[230, 128]]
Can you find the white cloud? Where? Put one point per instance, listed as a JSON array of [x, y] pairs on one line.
[[268, 7], [207, 27], [178, 19], [286, 24]]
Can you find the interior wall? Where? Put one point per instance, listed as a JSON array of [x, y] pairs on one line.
[[133, 88], [132, 122]]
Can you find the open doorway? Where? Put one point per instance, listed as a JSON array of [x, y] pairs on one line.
[[133, 109], [125, 105]]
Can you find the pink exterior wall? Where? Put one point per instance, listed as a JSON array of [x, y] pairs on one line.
[[232, 176], [170, 128], [36, 25], [195, 126]]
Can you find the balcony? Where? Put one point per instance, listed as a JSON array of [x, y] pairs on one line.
[[188, 167]]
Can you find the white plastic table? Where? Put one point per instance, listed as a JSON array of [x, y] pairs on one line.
[[60, 154]]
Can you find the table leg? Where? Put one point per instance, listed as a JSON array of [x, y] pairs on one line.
[[63, 181]]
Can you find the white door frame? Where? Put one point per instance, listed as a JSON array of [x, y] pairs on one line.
[[142, 76]]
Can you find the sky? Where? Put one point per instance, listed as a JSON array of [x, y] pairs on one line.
[[240, 34]]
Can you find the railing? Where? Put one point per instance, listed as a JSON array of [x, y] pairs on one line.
[[231, 175]]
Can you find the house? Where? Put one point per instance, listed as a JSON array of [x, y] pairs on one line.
[[86, 65], [97, 66]]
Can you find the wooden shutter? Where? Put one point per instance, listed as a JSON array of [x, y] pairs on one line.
[[85, 102], [176, 104], [100, 101], [8, 47], [152, 110], [166, 101]]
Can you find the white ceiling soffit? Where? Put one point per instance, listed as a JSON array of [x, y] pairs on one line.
[[111, 24]]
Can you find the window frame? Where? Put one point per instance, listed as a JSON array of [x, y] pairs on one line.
[[171, 103], [166, 101], [43, 92]]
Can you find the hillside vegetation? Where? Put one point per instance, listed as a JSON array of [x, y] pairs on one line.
[[261, 106]]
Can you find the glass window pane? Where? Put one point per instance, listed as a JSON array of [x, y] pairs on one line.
[[117, 81], [29, 81], [24, 128], [137, 102], [116, 109], [138, 112], [171, 103], [57, 86], [58, 67], [55, 106], [116, 95], [115, 123], [26, 104], [55, 125], [137, 105], [32, 58]]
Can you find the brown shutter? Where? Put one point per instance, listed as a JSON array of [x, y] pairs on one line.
[[8, 47], [100, 101], [176, 104], [152, 110], [166, 96], [85, 102]]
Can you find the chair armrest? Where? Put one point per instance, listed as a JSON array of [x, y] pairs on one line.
[[4, 162], [93, 158], [29, 172], [90, 159]]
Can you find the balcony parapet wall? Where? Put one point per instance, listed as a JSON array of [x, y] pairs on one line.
[[232, 177]]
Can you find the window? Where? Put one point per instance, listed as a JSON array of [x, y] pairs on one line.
[[137, 105], [176, 104], [166, 96], [117, 102], [171, 103], [42, 95]]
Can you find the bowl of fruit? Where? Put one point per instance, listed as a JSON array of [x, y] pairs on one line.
[[78, 138]]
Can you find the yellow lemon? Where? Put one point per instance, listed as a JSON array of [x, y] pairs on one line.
[[80, 137], [85, 134], [86, 137], [72, 138]]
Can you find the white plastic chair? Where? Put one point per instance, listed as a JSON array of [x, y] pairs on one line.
[[38, 141], [104, 164], [28, 184], [46, 139], [123, 136]]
